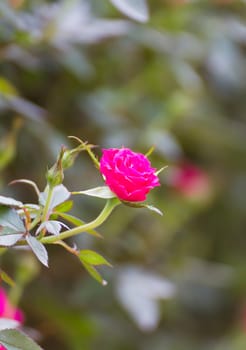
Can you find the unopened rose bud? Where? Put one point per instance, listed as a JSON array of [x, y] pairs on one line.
[[55, 174], [68, 158]]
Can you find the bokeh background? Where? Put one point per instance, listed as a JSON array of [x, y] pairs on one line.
[[108, 73]]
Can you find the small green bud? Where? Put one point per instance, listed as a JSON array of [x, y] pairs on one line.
[[55, 174], [68, 158]]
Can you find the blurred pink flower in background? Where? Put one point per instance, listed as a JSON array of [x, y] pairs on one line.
[[7, 310], [190, 180]]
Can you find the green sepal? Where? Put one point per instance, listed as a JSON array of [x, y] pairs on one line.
[[143, 205], [99, 192]]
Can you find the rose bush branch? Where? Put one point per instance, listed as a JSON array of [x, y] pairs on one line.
[[109, 206], [128, 177]]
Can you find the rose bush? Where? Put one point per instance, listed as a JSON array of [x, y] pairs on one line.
[[128, 174]]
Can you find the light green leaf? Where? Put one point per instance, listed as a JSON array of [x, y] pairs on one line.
[[135, 9], [13, 339], [38, 249], [9, 218], [94, 273], [92, 258], [64, 207], [100, 192], [77, 222], [10, 202]]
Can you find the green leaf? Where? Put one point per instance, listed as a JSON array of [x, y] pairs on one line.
[[77, 222], [89, 259], [10, 202], [100, 192], [92, 258], [64, 207], [7, 323], [10, 218], [94, 273], [135, 9], [13, 339], [38, 249], [143, 205]]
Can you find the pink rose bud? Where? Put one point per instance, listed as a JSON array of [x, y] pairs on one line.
[[128, 174]]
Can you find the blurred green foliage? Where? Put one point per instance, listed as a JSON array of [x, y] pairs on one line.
[[178, 82]]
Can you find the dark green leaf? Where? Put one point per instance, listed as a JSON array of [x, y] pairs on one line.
[[100, 192], [13, 339], [10, 202], [92, 258], [135, 9], [38, 249]]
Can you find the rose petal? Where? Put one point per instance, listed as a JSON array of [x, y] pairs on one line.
[[128, 174]]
